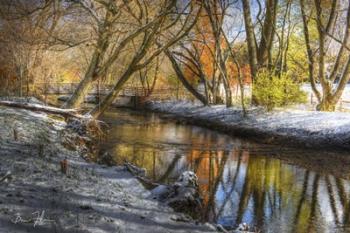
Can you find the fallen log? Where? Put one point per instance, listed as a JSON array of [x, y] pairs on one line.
[[41, 108]]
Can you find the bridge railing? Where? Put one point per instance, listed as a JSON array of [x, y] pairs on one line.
[[56, 88], [103, 89]]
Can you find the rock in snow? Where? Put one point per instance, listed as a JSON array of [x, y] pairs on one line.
[[183, 195]]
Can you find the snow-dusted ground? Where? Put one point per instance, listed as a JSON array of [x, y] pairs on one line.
[[287, 127], [38, 197], [343, 104]]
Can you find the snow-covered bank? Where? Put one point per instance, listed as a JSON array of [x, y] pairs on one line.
[[35, 196], [288, 127]]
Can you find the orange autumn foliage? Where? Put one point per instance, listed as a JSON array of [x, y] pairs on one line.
[[204, 44]]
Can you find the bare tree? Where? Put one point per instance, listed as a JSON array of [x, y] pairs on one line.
[[165, 31], [260, 52], [216, 11], [206, 55], [182, 78], [326, 21], [22, 38]]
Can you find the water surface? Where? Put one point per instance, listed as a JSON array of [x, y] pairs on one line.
[[275, 189]]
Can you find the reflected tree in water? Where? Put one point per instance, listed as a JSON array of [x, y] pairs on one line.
[[240, 185]]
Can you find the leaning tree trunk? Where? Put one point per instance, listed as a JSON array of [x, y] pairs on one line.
[[148, 40], [112, 95], [183, 80], [85, 84]]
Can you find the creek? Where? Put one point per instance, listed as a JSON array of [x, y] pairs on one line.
[[272, 188]]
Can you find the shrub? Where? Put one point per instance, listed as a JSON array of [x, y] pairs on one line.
[[272, 91]]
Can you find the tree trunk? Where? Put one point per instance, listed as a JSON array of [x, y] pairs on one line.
[[85, 84], [327, 104], [326, 85], [251, 41], [41, 108], [311, 61], [268, 31], [228, 94], [21, 81], [183, 80], [148, 40], [112, 95]]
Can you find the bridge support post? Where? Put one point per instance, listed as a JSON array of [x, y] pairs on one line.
[[136, 102]]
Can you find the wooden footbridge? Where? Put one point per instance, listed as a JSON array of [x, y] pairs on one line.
[[104, 89]]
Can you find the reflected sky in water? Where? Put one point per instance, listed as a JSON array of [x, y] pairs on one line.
[[275, 189]]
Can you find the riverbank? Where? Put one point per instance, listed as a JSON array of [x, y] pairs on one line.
[[309, 129], [37, 195]]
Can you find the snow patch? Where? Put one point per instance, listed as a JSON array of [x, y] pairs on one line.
[[309, 128]]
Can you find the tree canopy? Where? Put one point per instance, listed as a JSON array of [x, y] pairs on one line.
[[212, 48]]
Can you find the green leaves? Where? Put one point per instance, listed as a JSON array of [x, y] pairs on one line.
[[272, 91]]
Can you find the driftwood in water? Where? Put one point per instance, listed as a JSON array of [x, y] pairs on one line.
[[42, 108]]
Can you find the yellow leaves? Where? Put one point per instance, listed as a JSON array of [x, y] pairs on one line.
[[69, 76]]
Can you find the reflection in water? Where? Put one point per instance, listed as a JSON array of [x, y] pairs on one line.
[[240, 181]]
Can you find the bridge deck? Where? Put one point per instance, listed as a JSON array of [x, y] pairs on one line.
[[68, 88]]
